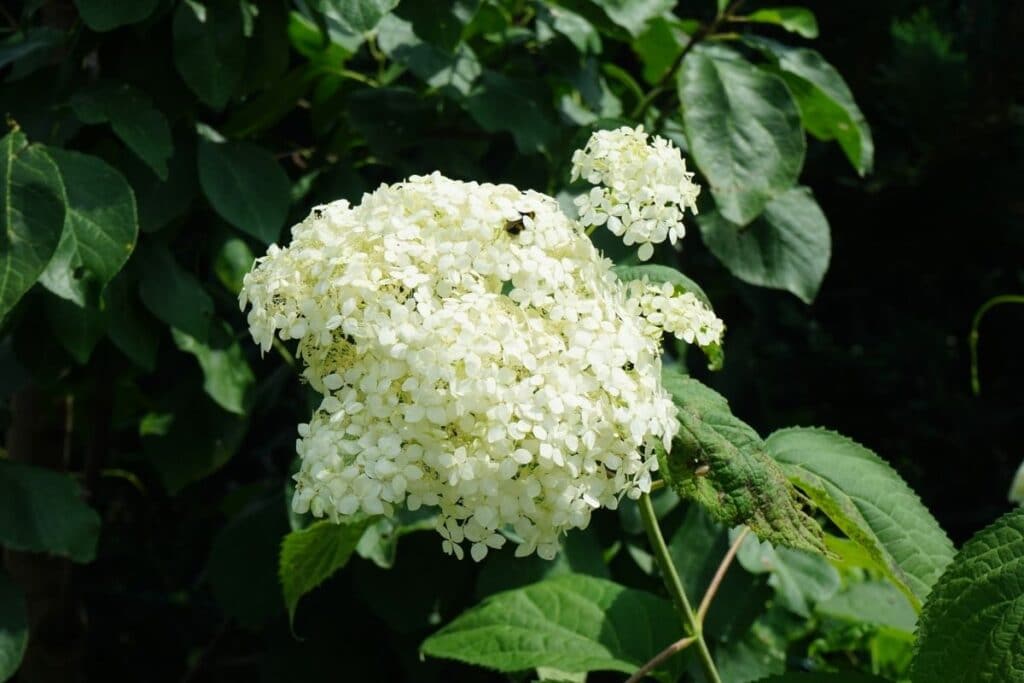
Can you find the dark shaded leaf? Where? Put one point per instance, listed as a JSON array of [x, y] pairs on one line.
[[246, 186], [209, 49], [43, 512]]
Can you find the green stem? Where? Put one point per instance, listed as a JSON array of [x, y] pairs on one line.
[[675, 587], [975, 333], [703, 33]]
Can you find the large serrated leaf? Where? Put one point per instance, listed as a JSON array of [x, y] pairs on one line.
[[743, 129], [869, 501], [310, 556], [972, 627], [100, 228], [720, 461], [43, 512], [574, 623], [31, 213], [786, 247]]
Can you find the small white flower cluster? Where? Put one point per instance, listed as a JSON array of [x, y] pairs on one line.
[[642, 190], [682, 315], [475, 353]]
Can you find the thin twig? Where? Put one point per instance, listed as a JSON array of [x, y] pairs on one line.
[[723, 567], [699, 35], [661, 658]]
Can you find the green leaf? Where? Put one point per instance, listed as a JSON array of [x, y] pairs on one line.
[[209, 49], [800, 579], [246, 186], [241, 566], [100, 227], [580, 32], [633, 15], [130, 330], [173, 294], [869, 502], [451, 72], [721, 462], [234, 259], [743, 130], [133, 118], [311, 555], [78, 328], [43, 512], [227, 377], [29, 42], [798, 20], [489, 105], [574, 623], [972, 627], [379, 543], [201, 439], [360, 15], [13, 627], [105, 15], [827, 107], [32, 210], [787, 247], [871, 602], [659, 47], [838, 677], [502, 570]]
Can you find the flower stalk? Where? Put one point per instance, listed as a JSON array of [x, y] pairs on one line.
[[675, 588]]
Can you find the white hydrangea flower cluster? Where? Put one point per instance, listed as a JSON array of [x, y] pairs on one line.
[[641, 189], [682, 315], [474, 352]]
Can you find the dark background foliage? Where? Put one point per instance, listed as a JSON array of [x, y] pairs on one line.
[[184, 586]]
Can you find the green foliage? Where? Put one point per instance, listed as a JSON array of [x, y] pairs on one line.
[[245, 186], [154, 148], [13, 627], [100, 228], [132, 117], [787, 247], [43, 512], [870, 502], [743, 129], [574, 623], [972, 627], [721, 462], [310, 556], [827, 107], [33, 216], [798, 20]]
